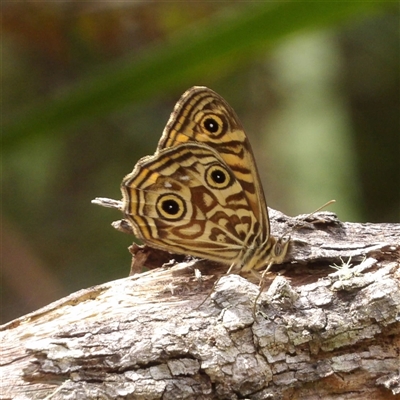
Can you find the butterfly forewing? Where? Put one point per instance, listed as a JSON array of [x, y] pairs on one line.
[[203, 116]]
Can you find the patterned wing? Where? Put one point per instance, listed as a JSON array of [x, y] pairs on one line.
[[203, 116], [186, 199]]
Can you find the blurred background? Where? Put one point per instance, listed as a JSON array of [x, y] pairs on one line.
[[87, 88]]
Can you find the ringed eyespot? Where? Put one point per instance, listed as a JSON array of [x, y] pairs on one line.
[[171, 207], [213, 124], [218, 177]]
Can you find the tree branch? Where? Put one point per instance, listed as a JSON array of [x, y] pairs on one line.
[[319, 332]]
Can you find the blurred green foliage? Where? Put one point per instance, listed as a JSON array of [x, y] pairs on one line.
[[88, 87], [224, 39]]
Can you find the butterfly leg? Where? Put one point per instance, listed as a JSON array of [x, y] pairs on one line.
[[233, 265], [261, 288]]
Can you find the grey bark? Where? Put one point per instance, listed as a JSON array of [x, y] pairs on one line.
[[319, 332]]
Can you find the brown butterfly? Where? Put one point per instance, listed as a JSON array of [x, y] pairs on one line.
[[200, 193]]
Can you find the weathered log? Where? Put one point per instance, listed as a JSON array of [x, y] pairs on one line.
[[319, 332]]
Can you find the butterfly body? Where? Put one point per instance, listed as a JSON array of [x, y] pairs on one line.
[[200, 193]]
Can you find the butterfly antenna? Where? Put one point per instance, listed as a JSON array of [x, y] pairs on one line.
[[328, 203]]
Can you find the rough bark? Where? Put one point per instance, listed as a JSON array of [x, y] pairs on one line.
[[318, 333]]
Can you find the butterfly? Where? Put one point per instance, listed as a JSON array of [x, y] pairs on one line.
[[200, 193]]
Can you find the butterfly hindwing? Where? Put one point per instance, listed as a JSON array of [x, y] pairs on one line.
[[185, 199]]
